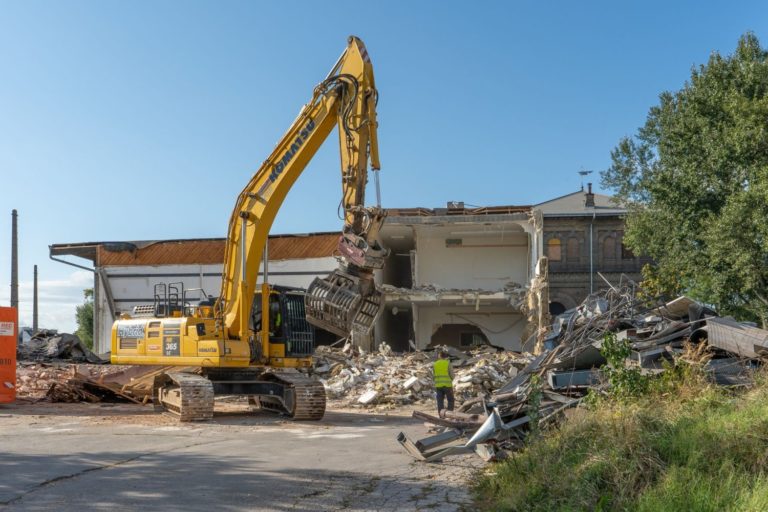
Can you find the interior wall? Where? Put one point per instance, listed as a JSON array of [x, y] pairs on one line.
[[397, 271], [395, 329], [501, 326], [450, 258], [452, 334]]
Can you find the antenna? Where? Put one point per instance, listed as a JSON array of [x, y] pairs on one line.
[[583, 173]]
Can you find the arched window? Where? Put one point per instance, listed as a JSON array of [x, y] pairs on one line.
[[572, 252], [609, 248], [554, 251]]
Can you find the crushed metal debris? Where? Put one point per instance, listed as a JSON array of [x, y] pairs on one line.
[[570, 365], [47, 345]]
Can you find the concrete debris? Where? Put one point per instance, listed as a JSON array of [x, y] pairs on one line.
[[65, 382], [571, 365], [368, 397], [33, 380], [385, 379], [49, 346]]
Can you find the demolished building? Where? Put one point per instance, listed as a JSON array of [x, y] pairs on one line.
[[458, 276], [455, 276]]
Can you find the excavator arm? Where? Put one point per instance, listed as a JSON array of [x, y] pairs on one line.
[[346, 300]]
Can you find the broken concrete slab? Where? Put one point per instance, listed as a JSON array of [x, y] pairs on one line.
[[412, 382], [368, 397]]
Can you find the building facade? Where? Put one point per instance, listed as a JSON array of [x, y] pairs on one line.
[[583, 240]]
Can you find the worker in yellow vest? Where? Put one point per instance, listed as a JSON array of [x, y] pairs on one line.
[[443, 376]]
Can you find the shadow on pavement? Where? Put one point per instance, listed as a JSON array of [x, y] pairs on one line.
[[175, 480]]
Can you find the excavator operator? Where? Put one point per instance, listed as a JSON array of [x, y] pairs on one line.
[[275, 317]]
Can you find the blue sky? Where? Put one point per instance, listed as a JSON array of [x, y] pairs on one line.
[[143, 120]]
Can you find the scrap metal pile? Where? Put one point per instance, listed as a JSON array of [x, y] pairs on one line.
[[384, 379], [570, 366], [48, 345]]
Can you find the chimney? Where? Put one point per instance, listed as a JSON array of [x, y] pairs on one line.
[[589, 197], [14, 261], [34, 304]]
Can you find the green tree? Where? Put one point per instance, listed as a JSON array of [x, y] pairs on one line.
[[84, 317], [695, 178]]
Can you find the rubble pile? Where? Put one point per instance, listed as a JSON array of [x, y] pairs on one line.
[[485, 373], [572, 364], [48, 345], [385, 378], [66, 382], [34, 380]]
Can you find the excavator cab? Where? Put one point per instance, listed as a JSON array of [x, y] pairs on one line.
[[290, 335]]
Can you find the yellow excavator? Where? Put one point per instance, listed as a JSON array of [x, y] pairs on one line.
[[253, 342]]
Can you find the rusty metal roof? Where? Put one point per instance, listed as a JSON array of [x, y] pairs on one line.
[[199, 251]]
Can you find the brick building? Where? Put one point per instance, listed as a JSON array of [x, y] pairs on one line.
[[583, 235]]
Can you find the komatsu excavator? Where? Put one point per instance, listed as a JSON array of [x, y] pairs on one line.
[[253, 342]]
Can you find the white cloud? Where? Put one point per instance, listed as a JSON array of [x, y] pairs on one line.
[[57, 300]]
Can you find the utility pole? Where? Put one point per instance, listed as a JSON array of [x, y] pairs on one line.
[[14, 261], [34, 304]]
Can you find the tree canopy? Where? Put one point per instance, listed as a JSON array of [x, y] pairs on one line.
[[84, 317], [695, 178]]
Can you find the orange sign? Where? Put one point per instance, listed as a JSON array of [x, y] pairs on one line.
[[8, 336]]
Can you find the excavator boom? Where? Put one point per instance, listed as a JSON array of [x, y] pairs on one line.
[[231, 347], [347, 300]]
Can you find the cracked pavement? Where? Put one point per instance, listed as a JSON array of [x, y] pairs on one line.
[[126, 457]]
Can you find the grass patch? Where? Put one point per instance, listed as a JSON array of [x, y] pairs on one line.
[[684, 445]]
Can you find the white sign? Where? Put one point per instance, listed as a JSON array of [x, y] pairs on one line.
[[7, 328], [130, 330]]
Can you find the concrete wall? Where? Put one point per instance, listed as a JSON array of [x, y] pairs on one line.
[[130, 286], [481, 261], [501, 326]]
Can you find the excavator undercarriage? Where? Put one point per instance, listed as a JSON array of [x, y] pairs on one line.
[[190, 396]]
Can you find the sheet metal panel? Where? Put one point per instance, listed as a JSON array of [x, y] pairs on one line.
[[9, 334], [731, 336]]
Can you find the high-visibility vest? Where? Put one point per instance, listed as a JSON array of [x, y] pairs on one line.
[[442, 378]]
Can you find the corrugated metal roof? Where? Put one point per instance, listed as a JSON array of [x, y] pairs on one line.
[[195, 251]]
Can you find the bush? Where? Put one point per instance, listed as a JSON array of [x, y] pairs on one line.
[[684, 445]]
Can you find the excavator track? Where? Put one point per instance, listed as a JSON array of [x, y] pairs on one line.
[[186, 395], [308, 395]]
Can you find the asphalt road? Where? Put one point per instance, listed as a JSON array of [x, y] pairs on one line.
[[126, 457]]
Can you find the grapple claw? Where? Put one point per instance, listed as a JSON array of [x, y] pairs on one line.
[[344, 302]]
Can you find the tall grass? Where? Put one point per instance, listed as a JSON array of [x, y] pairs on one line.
[[685, 445]]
